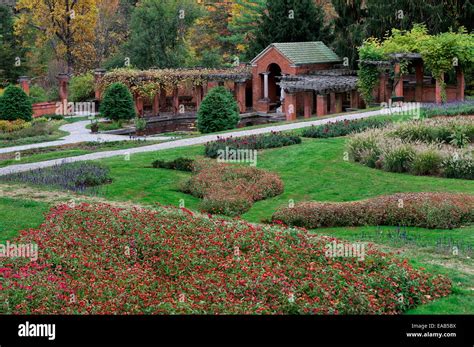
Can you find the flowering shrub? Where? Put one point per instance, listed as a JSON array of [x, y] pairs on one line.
[[231, 190], [343, 128], [427, 210], [262, 141], [77, 177], [99, 259]]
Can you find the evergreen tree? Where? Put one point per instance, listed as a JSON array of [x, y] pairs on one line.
[[158, 30], [15, 104], [118, 103], [349, 29], [290, 21], [11, 55], [218, 111]]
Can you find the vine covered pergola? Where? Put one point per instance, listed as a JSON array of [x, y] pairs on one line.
[[155, 84]]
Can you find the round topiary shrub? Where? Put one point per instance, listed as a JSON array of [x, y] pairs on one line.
[[118, 103], [218, 111], [15, 104]]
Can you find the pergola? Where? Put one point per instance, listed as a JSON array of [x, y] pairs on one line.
[[333, 82], [157, 83]]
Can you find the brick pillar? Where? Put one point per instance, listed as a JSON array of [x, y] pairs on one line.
[[398, 80], [419, 82], [332, 103], [354, 99], [98, 75], [240, 95], [383, 87], [460, 84], [308, 103], [175, 100], [290, 106], [338, 102], [438, 91], [24, 82], [63, 79], [139, 105], [198, 92], [156, 104], [321, 105]]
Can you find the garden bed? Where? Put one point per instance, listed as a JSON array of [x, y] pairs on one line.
[[98, 259]]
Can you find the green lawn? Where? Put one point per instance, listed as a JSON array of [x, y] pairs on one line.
[[313, 170], [16, 215]]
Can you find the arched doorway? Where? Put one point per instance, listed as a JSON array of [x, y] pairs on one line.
[[274, 90]]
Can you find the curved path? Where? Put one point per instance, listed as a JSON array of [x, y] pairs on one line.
[[77, 133], [186, 142]]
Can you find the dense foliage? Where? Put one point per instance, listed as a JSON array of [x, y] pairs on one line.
[[15, 104], [77, 177], [262, 141], [343, 128], [436, 146], [101, 259], [427, 210], [218, 111], [230, 190], [181, 164], [117, 103], [81, 88]]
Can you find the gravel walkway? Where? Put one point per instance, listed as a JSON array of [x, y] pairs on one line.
[[182, 142], [77, 133]]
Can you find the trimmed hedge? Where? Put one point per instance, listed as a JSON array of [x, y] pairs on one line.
[[263, 141], [218, 111], [181, 164], [427, 210], [15, 104], [343, 128]]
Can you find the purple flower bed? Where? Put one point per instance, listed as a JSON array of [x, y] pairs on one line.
[[448, 109], [78, 177]]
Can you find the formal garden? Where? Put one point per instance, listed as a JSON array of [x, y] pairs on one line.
[[222, 220]]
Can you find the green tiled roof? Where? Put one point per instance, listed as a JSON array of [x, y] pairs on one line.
[[304, 52]]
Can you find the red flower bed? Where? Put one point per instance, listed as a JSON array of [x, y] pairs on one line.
[[429, 210], [104, 260], [229, 189]]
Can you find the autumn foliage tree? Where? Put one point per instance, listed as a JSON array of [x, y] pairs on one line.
[[67, 25]]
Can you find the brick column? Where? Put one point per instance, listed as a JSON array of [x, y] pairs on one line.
[[438, 91], [240, 95], [460, 84], [419, 82], [398, 80], [321, 105], [63, 79], [198, 92], [175, 101], [24, 82], [308, 103], [354, 99], [98, 75], [139, 105], [156, 104], [338, 102], [383, 87], [290, 106], [332, 103]]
